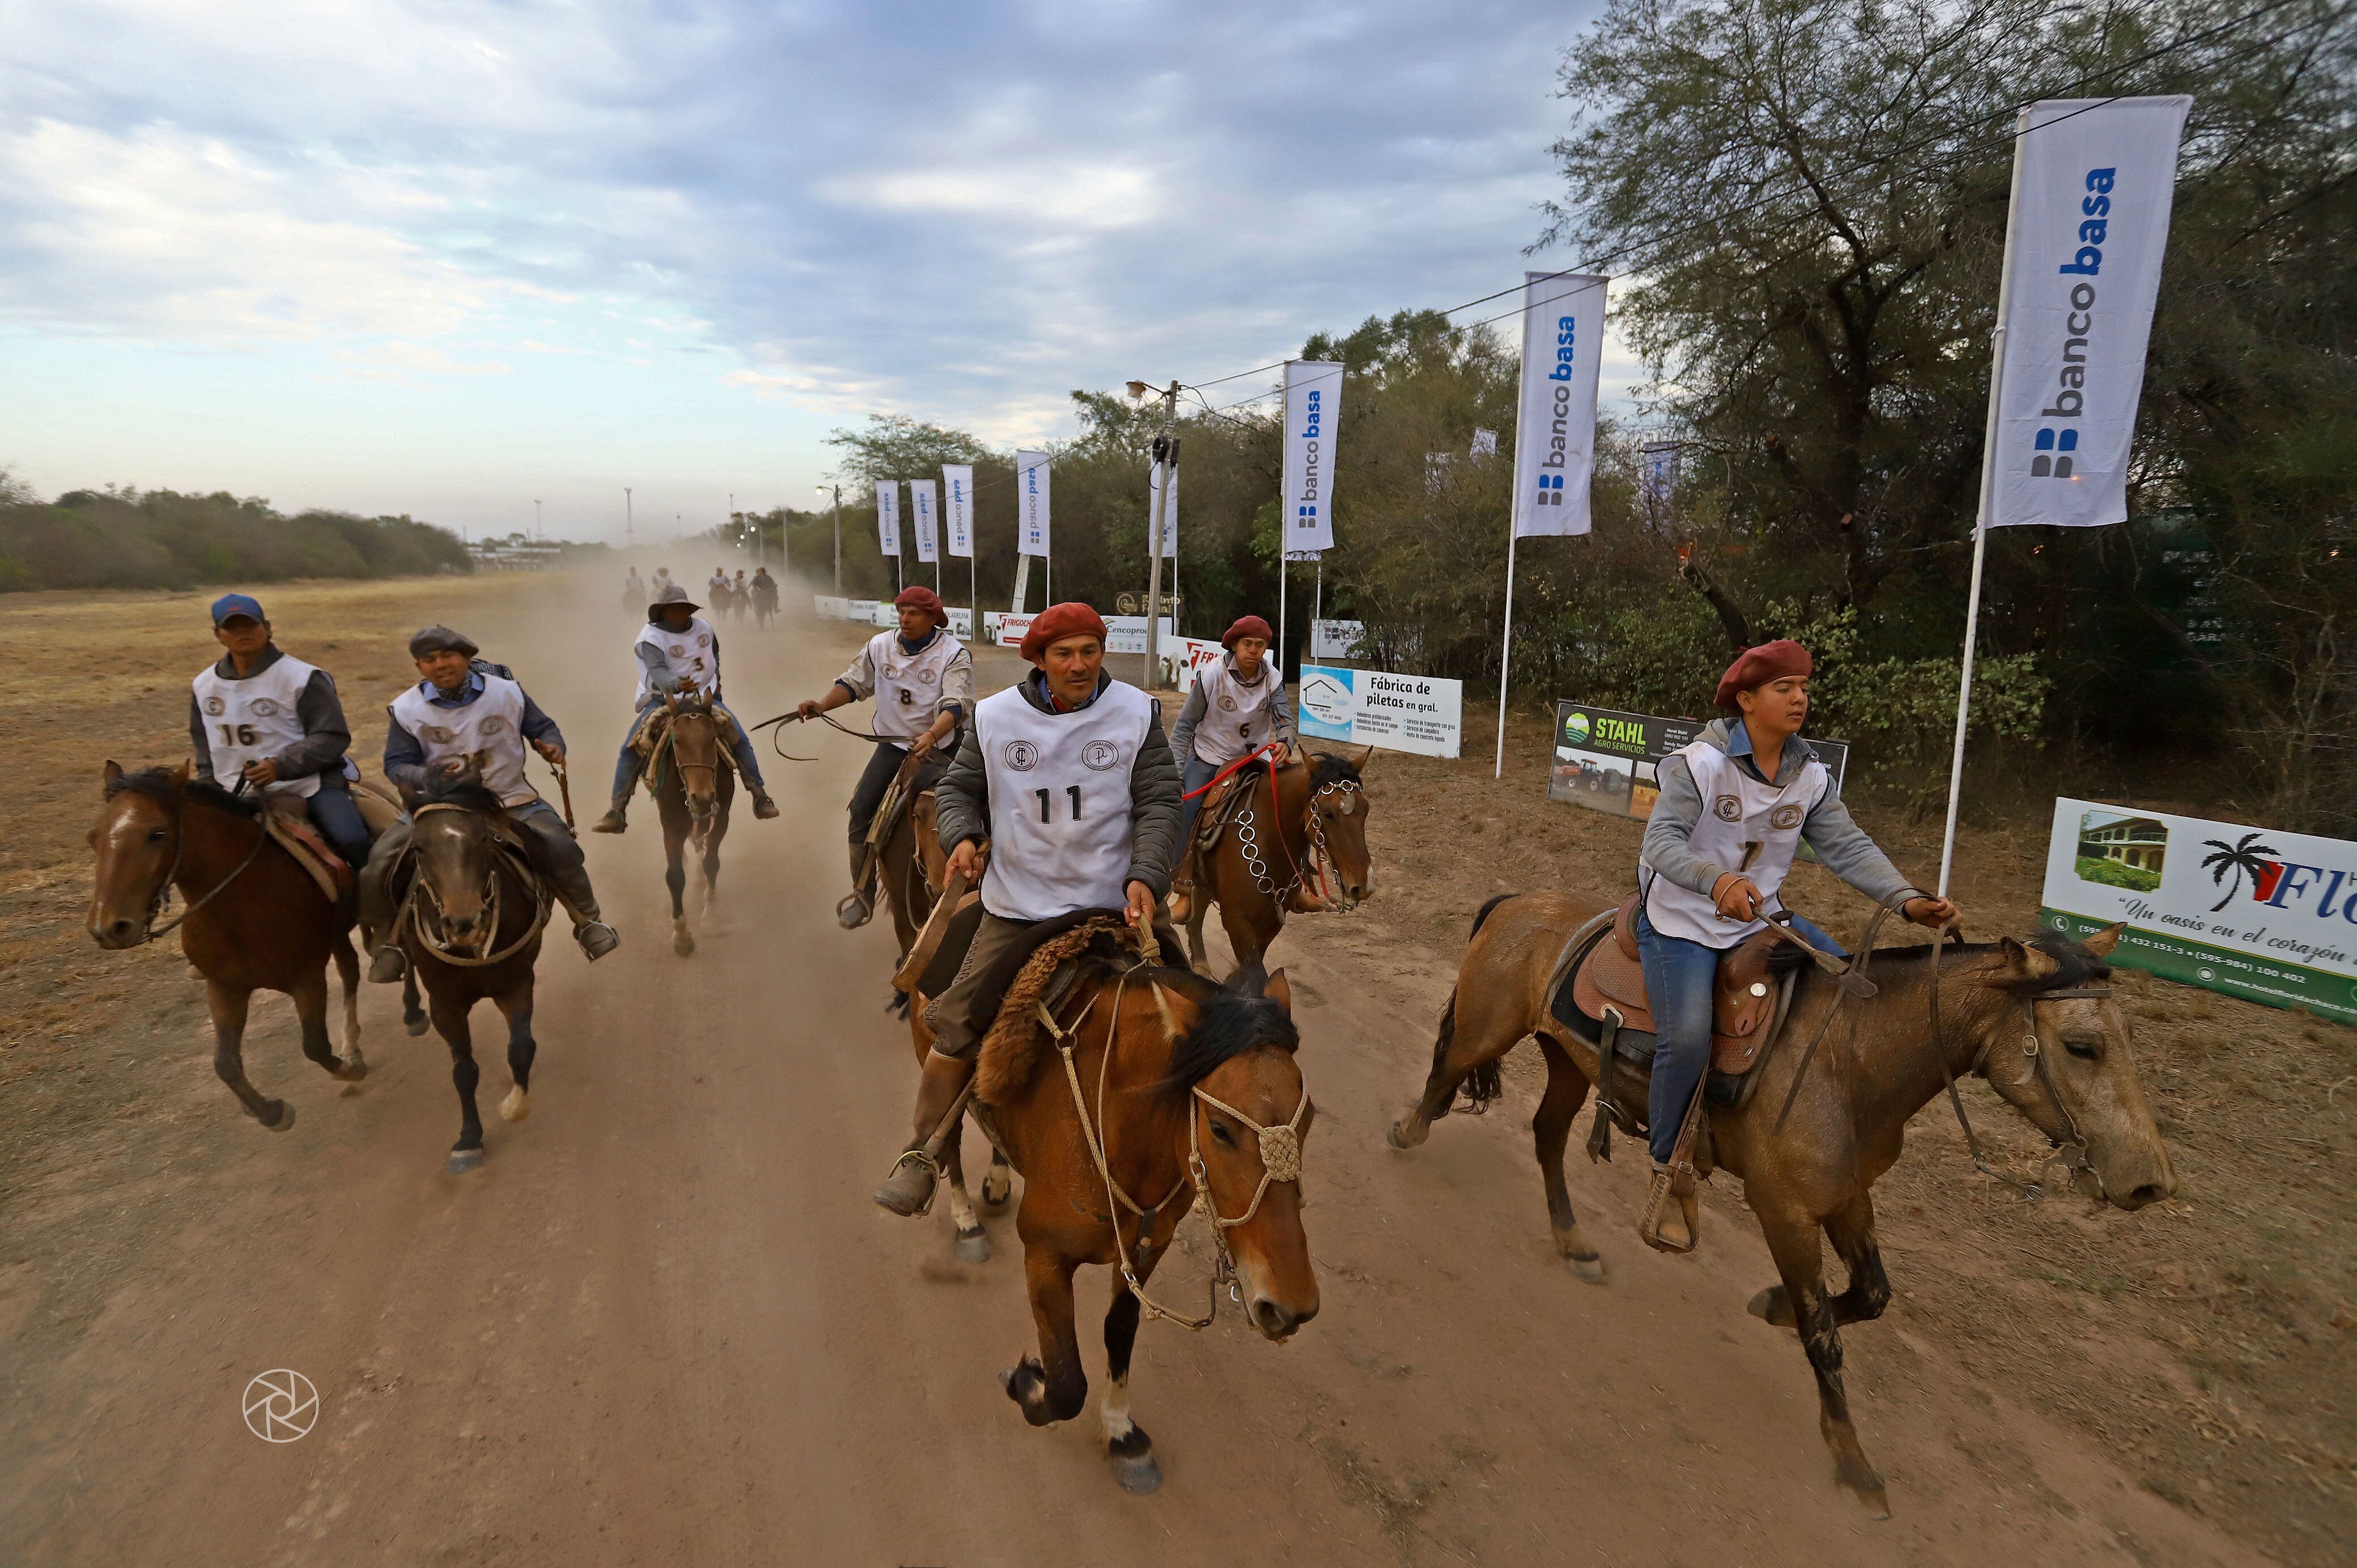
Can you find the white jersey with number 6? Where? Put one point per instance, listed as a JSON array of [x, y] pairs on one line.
[[1059, 820], [253, 720]]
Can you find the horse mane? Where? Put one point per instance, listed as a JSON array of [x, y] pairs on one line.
[[1326, 768], [158, 783], [1229, 1023], [463, 792], [2075, 966]]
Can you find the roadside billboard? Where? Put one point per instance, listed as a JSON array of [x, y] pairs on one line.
[[1421, 714], [2269, 917], [1609, 761]]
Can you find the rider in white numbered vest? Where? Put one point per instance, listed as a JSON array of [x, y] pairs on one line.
[[469, 719], [922, 681], [678, 653], [263, 716], [1717, 847], [1069, 779], [1238, 705]]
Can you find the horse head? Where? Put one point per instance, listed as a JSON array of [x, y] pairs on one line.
[[1338, 805], [1248, 1114], [696, 752], [137, 842], [455, 839], [2058, 1052]]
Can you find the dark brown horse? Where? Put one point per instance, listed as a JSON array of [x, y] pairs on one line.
[[911, 865], [1269, 857], [1185, 1087], [694, 784], [470, 917], [254, 921], [2034, 1020]]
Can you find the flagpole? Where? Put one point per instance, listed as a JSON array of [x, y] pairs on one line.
[[1506, 646], [1981, 513]]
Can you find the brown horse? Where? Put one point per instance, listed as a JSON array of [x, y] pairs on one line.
[[255, 921], [2034, 1020], [1267, 856], [470, 918], [911, 865], [1192, 1088], [694, 784]]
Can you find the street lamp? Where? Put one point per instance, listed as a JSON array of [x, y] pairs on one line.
[[837, 490], [1166, 463], [630, 533]]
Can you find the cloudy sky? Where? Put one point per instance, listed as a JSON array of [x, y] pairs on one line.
[[442, 257]]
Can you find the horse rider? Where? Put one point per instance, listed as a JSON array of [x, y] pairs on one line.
[[634, 593], [740, 594], [922, 680], [679, 654], [716, 590], [259, 715], [764, 589], [469, 718], [659, 587], [1736, 805], [1237, 706], [1086, 817]]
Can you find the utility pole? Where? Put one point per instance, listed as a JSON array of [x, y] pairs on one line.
[[535, 518], [838, 542], [1166, 467], [629, 531]]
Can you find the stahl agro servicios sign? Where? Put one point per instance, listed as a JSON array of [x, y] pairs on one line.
[[2269, 917]]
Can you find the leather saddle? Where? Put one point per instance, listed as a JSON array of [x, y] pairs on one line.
[[1606, 984], [1222, 803], [292, 828], [950, 956]]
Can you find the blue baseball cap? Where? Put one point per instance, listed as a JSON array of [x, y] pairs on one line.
[[230, 604]]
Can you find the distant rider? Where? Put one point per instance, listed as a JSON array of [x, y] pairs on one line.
[[678, 654], [922, 681], [1069, 779], [634, 593], [764, 589], [470, 718], [260, 714], [1238, 705], [1707, 878]]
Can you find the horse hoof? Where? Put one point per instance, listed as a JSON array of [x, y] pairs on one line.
[[352, 1067], [1399, 1137], [415, 1023], [461, 1161], [683, 943], [517, 1105], [993, 1203], [284, 1119], [1872, 1497], [975, 1247], [1138, 1477], [1588, 1269], [1772, 1305]]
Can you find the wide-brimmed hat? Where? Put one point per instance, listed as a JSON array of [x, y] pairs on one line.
[[441, 639], [672, 594]]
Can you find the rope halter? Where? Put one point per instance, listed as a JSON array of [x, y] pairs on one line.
[[1280, 1161]]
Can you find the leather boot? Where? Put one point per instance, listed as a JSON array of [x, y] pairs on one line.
[[763, 807], [908, 1190], [389, 965], [1667, 1222], [614, 820], [859, 909]]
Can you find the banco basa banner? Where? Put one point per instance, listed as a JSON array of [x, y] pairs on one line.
[[1313, 404], [888, 515], [1030, 503], [2093, 180], [924, 508], [1555, 428], [957, 508]]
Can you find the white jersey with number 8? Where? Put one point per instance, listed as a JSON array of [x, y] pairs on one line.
[[1060, 818]]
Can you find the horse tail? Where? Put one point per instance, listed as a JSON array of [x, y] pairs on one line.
[[1482, 1085], [1483, 913]]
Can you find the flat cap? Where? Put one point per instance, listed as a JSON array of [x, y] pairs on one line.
[[441, 639]]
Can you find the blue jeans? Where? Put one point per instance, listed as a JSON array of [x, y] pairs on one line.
[[331, 812], [1196, 774], [1678, 975], [629, 764]]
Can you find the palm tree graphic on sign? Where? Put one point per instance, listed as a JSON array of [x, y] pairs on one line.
[[2243, 856]]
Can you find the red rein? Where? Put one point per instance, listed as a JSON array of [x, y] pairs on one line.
[[1268, 756]]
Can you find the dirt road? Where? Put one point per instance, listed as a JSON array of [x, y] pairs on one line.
[[664, 1325]]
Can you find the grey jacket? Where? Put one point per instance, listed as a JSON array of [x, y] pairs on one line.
[[1829, 829], [1198, 708], [325, 735], [961, 799]]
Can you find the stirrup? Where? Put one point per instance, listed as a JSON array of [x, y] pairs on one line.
[[854, 903], [1658, 1204], [932, 1169]]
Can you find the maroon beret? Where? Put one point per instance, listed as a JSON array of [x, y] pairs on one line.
[[1246, 626], [1056, 622], [924, 599], [1758, 666]]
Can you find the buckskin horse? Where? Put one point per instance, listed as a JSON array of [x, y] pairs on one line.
[[1264, 857], [1158, 1088], [254, 918], [470, 917], [2034, 1020], [694, 784]]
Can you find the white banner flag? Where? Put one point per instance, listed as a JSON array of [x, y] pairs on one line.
[[1555, 429], [923, 508], [1313, 406], [1166, 479], [888, 515], [957, 509], [1485, 443], [2093, 180], [1031, 503], [1657, 469]]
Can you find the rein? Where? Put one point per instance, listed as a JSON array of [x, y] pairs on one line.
[[777, 740], [157, 899], [2075, 1143], [407, 914], [1314, 828]]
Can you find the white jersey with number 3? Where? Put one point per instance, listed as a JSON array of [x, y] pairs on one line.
[[253, 720], [1060, 819], [1747, 827], [690, 653]]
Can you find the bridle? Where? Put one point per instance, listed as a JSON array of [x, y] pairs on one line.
[[447, 953], [2074, 1142], [1314, 826], [1280, 1156], [163, 893]]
